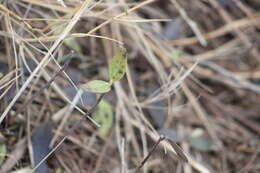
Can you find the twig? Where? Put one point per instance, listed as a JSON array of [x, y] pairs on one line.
[[47, 85], [71, 130], [241, 35], [14, 156], [46, 59], [66, 116], [230, 78], [227, 28], [179, 151], [190, 22], [150, 153], [249, 164], [87, 116]]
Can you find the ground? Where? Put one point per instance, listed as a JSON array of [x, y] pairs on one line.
[[188, 100]]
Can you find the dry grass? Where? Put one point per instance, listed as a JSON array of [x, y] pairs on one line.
[[207, 79]]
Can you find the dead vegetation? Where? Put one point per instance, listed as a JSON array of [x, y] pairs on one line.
[[192, 76]]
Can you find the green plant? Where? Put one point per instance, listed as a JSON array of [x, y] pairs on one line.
[[104, 114], [117, 69]]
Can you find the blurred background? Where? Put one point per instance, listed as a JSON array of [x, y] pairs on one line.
[[192, 75]]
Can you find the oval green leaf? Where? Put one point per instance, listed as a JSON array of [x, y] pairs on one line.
[[200, 141], [3, 152], [73, 44], [117, 67], [97, 86], [104, 117]]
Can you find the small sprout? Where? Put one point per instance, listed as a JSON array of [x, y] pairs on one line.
[[97, 86], [117, 67]]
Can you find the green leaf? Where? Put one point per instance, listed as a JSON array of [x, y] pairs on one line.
[[117, 67], [2, 153], [104, 116], [73, 44], [97, 86], [175, 55], [58, 170], [200, 142], [68, 57], [70, 42]]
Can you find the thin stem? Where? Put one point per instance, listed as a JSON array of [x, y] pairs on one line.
[[150, 153]]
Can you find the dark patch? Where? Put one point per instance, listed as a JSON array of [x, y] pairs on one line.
[[40, 143]]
